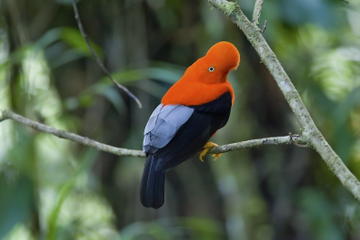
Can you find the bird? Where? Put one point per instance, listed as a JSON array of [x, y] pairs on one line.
[[190, 113]]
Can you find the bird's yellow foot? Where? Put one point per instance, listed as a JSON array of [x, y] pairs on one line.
[[207, 147]]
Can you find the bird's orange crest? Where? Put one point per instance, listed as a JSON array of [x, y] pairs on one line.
[[206, 79]]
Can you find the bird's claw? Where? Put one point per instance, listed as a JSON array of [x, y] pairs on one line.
[[207, 147]]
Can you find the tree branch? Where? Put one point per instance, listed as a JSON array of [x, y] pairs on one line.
[[97, 58], [310, 132], [70, 136], [291, 139], [281, 140], [257, 11]]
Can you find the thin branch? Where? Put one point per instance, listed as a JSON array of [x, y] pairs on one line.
[[70, 136], [264, 26], [257, 11], [309, 130], [291, 139], [97, 58], [295, 139]]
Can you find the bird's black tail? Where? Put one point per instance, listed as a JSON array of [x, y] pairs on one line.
[[152, 184]]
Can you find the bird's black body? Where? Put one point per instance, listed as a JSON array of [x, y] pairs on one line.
[[188, 140]]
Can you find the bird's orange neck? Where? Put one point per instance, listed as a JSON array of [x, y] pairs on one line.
[[192, 93]]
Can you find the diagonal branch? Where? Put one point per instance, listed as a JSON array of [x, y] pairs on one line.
[[291, 139], [310, 132], [97, 58]]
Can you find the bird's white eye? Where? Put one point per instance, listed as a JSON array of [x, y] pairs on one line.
[[211, 69]]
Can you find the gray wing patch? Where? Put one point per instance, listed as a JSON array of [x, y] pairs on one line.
[[163, 124]]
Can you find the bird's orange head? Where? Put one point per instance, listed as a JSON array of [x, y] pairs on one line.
[[206, 78], [219, 60]]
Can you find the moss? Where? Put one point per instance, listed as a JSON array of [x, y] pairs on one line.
[[228, 7]]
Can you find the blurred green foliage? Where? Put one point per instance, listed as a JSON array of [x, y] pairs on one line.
[[54, 189]]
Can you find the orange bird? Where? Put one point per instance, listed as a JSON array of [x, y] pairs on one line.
[[191, 111]]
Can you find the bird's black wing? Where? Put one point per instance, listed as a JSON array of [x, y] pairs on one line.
[[186, 141], [195, 132]]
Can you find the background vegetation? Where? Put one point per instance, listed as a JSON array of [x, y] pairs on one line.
[[54, 189]]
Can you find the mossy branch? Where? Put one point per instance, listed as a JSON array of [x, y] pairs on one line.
[[309, 130]]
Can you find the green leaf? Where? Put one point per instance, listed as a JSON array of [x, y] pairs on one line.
[[163, 72], [73, 38], [114, 98], [65, 191]]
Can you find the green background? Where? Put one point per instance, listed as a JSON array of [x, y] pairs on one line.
[[55, 189]]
